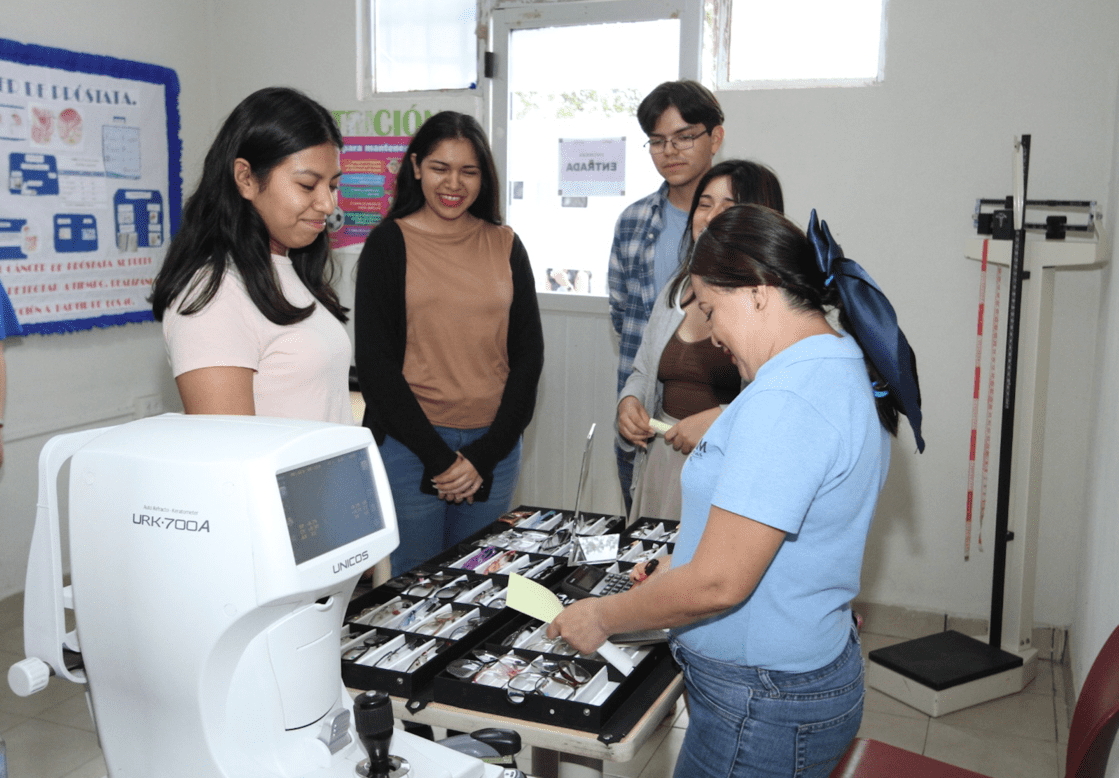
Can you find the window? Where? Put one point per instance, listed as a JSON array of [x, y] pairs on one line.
[[797, 43], [421, 45], [568, 81]]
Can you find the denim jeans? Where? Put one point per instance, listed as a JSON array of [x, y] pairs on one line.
[[748, 721], [429, 525]]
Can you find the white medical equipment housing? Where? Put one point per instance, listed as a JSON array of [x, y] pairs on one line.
[[212, 559]]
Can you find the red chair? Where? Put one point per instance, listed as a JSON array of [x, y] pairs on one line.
[[1094, 723]]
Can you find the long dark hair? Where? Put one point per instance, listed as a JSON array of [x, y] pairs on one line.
[[445, 125], [220, 226], [751, 245], [750, 182]]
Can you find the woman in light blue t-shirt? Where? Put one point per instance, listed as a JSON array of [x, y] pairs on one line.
[[778, 498]]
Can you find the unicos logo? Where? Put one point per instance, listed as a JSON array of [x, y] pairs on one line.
[[356, 559], [170, 523]]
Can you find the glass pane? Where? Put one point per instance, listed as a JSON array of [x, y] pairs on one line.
[[804, 39], [580, 83], [424, 44]]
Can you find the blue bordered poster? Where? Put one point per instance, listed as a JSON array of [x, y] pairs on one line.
[[92, 185]]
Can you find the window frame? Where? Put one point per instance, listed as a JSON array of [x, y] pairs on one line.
[[365, 61], [506, 16], [717, 18]]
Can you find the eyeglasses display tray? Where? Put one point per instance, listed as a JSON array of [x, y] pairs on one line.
[[441, 631]]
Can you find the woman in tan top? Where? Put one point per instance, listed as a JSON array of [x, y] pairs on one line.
[[448, 341]]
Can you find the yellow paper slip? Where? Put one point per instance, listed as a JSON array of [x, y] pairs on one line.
[[539, 602]]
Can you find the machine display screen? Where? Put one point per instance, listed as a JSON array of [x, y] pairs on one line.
[[329, 503]]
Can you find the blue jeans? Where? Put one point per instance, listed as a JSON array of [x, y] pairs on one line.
[[429, 525], [748, 721]]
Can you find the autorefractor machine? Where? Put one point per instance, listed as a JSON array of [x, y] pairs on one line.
[[212, 560]]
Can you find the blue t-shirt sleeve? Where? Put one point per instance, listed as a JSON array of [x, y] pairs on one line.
[[778, 452]]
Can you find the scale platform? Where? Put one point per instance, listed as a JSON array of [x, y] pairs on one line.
[[948, 671]]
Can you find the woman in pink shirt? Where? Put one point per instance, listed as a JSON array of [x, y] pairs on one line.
[[251, 321]]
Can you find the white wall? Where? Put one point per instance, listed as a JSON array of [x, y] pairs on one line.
[[62, 382], [1097, 605], [894, 168]]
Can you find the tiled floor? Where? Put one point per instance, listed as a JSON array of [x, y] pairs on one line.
[[50, 735]]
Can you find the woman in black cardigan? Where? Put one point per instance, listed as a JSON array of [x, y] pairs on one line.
[[449, 346]]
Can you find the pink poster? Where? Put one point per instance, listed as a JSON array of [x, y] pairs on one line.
[[369, 168]]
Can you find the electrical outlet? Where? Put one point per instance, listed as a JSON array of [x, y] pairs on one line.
[[150, 405]]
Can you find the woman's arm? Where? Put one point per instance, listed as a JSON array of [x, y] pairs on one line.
[[642, 384], [731, 559], [218, 390]]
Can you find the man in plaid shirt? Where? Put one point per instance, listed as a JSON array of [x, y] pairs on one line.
[[685, 127]]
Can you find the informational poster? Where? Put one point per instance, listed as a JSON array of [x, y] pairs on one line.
[[92, 185], [375, 141], [369, 168], [592, 167]]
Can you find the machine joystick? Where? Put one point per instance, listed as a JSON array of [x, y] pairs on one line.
[[374, 723]]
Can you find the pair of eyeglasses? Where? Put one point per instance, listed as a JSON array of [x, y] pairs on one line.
[[681, 142], [500, 562], [513, 638], [418, 612], [466, 668], [421, 588], [478, 557], [425, 657], [498, 673], [556, 645], [561, 680], [555, 541], [371, 641], [452, 590], [405, 581], [540, 570], [409, 644], [468, 626], [377, 615]]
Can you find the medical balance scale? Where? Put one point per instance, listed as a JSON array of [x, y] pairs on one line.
[[948, 671], [212, 560]]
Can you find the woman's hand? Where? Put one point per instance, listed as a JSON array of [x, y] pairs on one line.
[[686, 433], [579, 625], [226, 391], [633, 421], [459, 481]]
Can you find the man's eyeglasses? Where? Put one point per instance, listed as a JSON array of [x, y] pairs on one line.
[[681, 142]]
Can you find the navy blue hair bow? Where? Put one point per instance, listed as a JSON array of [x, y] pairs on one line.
[[874, 321]]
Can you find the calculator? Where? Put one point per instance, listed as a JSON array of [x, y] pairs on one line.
[[591, 581]]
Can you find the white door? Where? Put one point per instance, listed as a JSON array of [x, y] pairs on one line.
[[570, 75], [577, 71]]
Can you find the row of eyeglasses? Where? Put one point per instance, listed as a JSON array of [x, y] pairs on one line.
[[552, 521], [521, 677], [393, 651]]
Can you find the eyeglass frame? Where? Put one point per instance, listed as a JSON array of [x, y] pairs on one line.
[[659, 146]]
